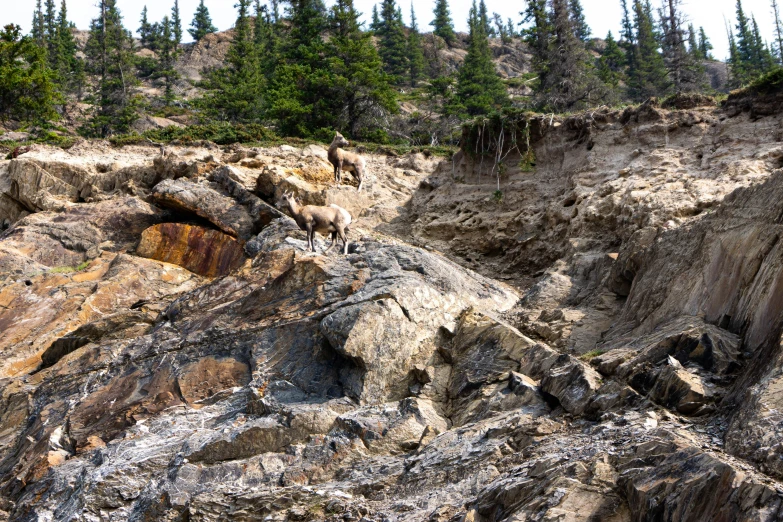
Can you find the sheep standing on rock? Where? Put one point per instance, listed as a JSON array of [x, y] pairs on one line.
[[345, 161], [332, 220]]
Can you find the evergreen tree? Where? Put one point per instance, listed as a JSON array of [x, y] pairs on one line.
[[684, 71], [611, 62], [484, 18], [505, 32], [167, 54], [744, 69], [27, 92], [145, 31], [570, 81], [762, 57], [581, 28], [375, 24], [392, 43], [176, 23], [479, 88], [415, 52], [38, 31], [647, 74], [778, 42], [266, 38], [109, 57], [693, 44], [360, 93], [510, 30], [234, 92], [68, 69], [442, 24], [627, 35], [300, 87], [202, 23], [704, 45], [537, 34], [50, 30]]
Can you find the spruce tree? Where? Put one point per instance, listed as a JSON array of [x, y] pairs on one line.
[[581, 29], [744, 69], [176, 23], [705, 46], [479, 88], [627, 35], [360, 92], [734, 61], [38, 31], [484, 18], [762, 57], [50, 31], [415, 51], [392, 43], [375, 24], [167, 54], [441, 23], [234, 92], [109, 57], [69, 70], [538, 33], [202, 23], [569, 82], [27, 92], [778, 42], [647, 74], [693, 44], [145, 30], [300, 86], [612, 62], [684, 71], [502, 30]]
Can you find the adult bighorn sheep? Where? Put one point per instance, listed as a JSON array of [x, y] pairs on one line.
[[345, 161], [332, 220]]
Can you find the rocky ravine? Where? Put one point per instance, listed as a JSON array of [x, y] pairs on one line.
[[170, 352]]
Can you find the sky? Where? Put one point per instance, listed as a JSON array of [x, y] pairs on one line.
[[602, 15]]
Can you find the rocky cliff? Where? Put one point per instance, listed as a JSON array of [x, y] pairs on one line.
[[596, 339]]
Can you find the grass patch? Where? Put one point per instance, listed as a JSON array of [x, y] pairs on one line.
[[591, 355], [69, 269]]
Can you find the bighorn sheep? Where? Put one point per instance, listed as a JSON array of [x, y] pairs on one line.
[[345, 161], [332, 220]]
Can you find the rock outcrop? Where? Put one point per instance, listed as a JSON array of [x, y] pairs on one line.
[[169, 349]]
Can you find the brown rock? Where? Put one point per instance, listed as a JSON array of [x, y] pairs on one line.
[[206, 252]]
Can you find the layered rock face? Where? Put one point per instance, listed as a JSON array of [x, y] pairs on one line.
[[169, 350]]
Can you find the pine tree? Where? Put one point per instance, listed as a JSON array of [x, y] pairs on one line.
[[510, 30], [167, 54], [176, 23], [647, 74], [735, 61], [68, 69], [442, 24], [235, 91], [145, 30], [375, 24], [109, 57], [27, 92], [611, 62], [570, 81], [392, 43], [704, 45], [581, 28], [502, 30], [479, 88], [202, 23], [360, 93], [415, 52]]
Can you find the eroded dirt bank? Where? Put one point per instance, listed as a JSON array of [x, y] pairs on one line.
[[599, 341]]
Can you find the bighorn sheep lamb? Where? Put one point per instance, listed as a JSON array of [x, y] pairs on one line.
[[332, 220], [345, 161]]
